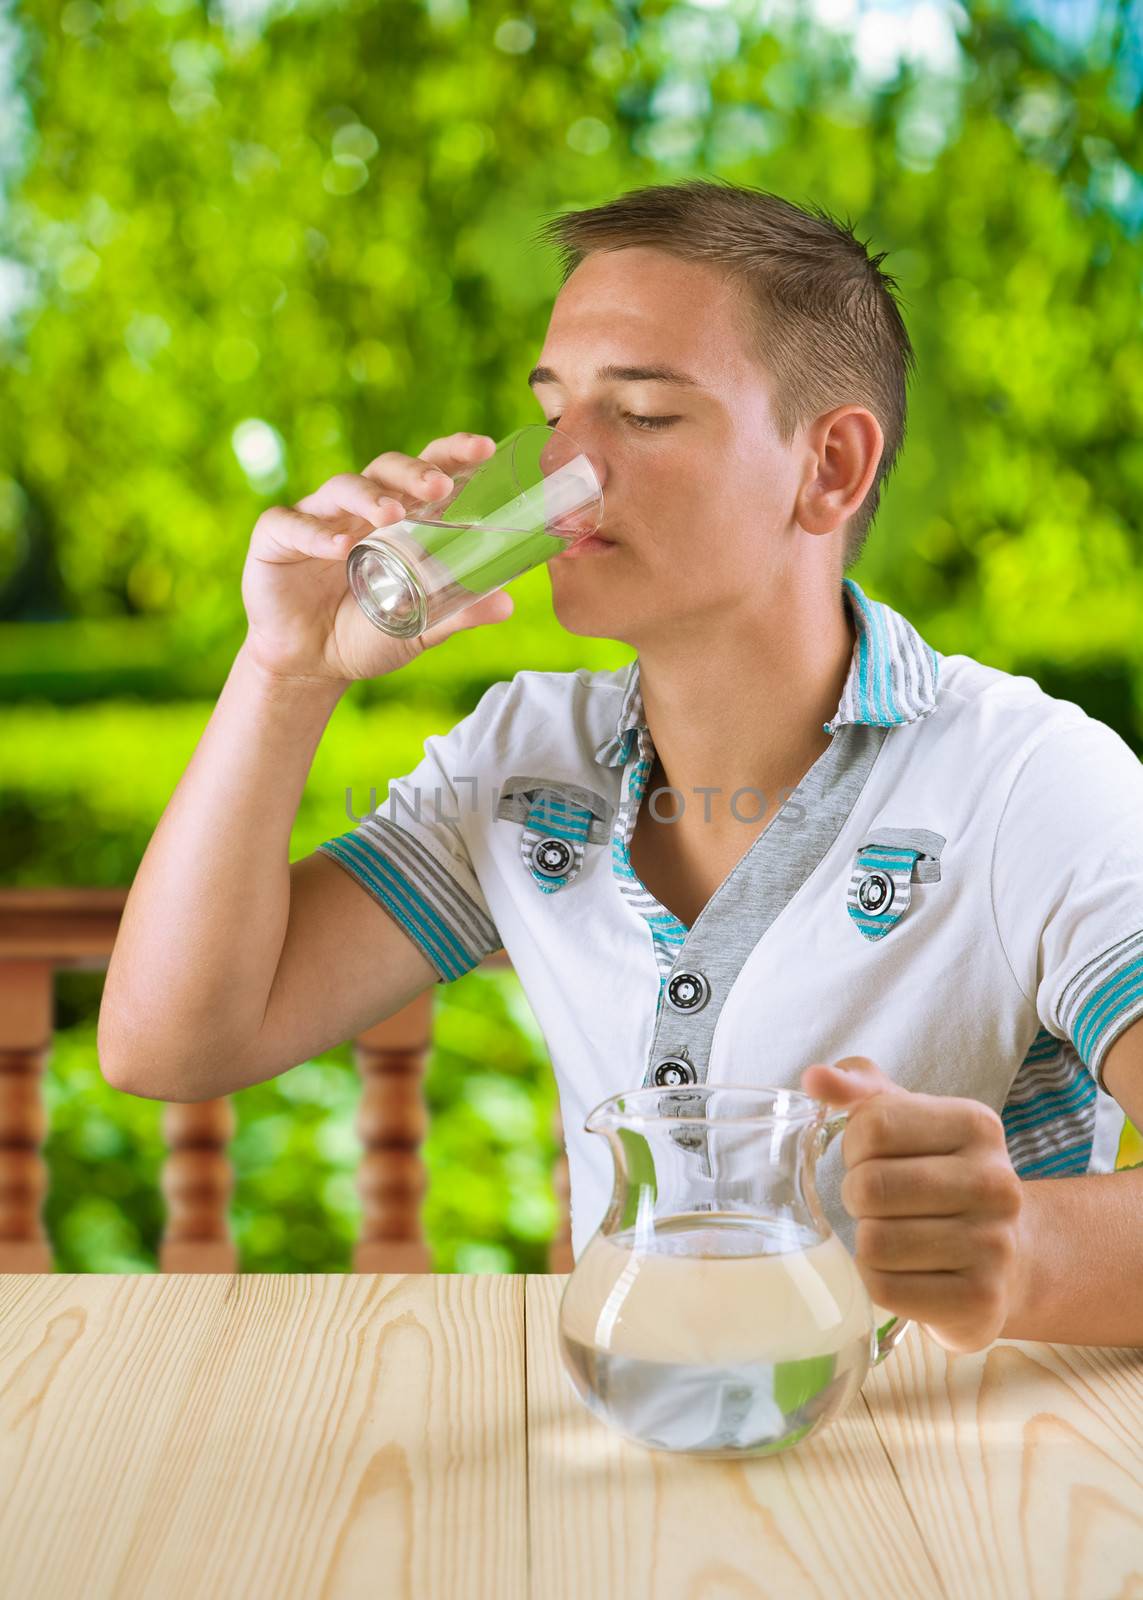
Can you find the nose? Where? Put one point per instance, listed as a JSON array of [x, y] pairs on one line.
[[577, 490], [560, 448]]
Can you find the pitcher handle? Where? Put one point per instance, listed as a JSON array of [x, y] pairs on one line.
[[892, 1330]]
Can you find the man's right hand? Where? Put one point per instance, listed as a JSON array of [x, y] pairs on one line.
[[304, 623]]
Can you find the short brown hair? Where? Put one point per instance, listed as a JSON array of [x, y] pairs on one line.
[[825, 321]]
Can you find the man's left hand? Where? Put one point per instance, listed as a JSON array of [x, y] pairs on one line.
[[937, 1202]]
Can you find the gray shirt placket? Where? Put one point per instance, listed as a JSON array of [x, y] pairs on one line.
[[747, 902]]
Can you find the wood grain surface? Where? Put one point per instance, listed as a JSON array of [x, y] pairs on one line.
[[330, 1435]]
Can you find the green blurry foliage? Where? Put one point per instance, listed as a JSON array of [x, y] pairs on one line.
[[261, 258], [83, 792], [259, 253]]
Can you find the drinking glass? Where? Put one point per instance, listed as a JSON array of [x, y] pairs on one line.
[[533, 497]]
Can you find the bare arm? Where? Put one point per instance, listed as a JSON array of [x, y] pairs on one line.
[[231, 965], [345, 964]]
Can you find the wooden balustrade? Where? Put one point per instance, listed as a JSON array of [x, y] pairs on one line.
[[44, 930]]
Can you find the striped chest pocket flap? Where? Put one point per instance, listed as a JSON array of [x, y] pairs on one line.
[[887, 865], [560, 820]]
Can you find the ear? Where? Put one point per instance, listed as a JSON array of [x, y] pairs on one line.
[[844, 448]]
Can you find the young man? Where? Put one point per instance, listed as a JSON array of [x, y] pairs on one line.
[[790, 845]]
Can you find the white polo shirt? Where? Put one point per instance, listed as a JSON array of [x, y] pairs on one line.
[[954, 889]]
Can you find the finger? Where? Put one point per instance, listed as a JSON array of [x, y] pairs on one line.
[[285, 534], [962, 1311], [444, 456], [910, 1125], [458, 449], [910, 1186], [918, 1244], [360, 496], [427, 476], [407, 476], [923, 1296], [845, 1086]]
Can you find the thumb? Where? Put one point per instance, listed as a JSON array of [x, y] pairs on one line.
[[847, 1082]]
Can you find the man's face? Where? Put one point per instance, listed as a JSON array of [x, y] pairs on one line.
[[696, 506]]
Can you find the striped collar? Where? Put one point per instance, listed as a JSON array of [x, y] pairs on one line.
[[892, 678]]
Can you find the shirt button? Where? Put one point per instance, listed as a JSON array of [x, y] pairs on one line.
[[875, 892], [688, 991], [673, 1070], [551, 857]]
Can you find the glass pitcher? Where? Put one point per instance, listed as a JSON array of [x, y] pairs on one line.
[[715, 1311]]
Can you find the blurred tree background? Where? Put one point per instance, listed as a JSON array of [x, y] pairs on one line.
[[245, 245]]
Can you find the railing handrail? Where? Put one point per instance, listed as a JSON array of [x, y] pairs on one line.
[[62, 924], [59, 924], [44, 928]]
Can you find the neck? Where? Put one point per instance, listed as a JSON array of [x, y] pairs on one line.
[[742, 706]]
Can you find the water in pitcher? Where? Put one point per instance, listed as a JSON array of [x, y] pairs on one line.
[[722, 1335]]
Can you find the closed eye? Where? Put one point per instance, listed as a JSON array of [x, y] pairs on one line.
[[644, 422]]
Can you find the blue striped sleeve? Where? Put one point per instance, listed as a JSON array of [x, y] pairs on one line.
[[412, 852], [451, 928], [1067, 880], [1103, 998]]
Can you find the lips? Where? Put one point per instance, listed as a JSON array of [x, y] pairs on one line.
[[591, 534], [590, 545], [578, 525]]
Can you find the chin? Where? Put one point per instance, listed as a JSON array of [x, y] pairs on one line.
[[580, 622], [592, 617]]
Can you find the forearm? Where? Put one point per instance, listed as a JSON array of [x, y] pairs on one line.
[[206, 916], [1081, 1266]]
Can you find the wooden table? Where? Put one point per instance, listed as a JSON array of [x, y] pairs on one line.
[[388, 1436]]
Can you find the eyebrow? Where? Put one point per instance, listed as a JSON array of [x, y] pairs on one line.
[[614, 374]]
